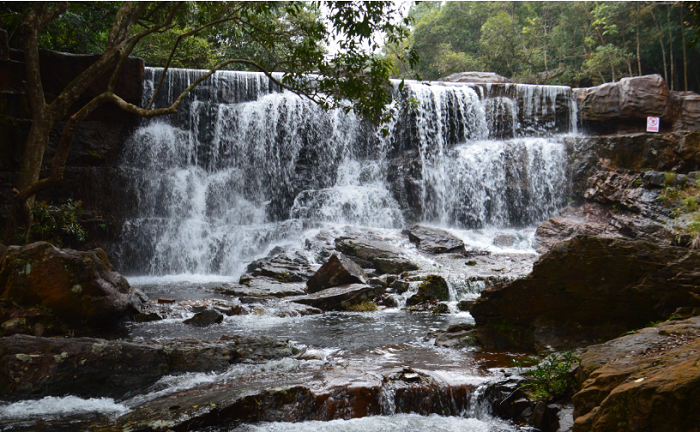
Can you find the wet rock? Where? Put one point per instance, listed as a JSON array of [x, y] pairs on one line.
[[374, 254], [387, 300], [205, 318], [600, 220], [80, 288], [338, 270], [476, 77], [455, 335], [338, 298], [646, 381], [400, 286], [588, 289], [504, 240], [435, 241], [35, 322], [465, 305], [86, 367], [507, 399], [405, 179], [146, 317], [430, 306], [280, 266], [433, 288], [263, 287]]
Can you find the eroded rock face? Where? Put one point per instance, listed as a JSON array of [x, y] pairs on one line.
[[435, 241], [33, 366], [587, 289], [599, 220], [80, 288], [646, 381], [633, 97], [338, 270]]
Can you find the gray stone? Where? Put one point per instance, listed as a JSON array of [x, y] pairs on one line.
[[338, 270]]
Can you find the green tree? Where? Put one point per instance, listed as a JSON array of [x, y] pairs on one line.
[[288, 37]]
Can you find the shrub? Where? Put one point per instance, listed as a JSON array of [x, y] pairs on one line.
[[551, 376], [57, 224]]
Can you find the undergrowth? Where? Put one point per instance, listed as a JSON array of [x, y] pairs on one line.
[[549, 377], [57, 225], [684, 202], [365, 306]]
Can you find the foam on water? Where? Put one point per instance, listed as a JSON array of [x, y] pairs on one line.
[[51, 406], [398, 422]]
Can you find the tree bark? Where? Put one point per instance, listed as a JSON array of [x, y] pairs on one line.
[[685, 61]]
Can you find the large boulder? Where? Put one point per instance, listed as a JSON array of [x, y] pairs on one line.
[[476, 77], [80, 288], [687, 106], [435, 241], [338, 270], [339, 298], [375, 254], [36, 367], [633, 97], [646, 381], [588, 289]]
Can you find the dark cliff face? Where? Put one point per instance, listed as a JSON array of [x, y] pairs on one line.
[[98, 140]]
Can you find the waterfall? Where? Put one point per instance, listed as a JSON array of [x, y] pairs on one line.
[[243, 165]]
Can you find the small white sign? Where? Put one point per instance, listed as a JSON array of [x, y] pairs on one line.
[[653, 124]]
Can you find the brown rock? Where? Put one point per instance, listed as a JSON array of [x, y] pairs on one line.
[[80, 288], [588, 289], [338, 270], [646, 381], [633, 97], [687, 106], [599, 220], [435, 241]]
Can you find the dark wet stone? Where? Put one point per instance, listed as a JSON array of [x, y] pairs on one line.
[[588, 289], [206, 317], [435, 241], [263, 287], [465, 305], [338, 298], [338, 270], [433, 288], [89, 367]]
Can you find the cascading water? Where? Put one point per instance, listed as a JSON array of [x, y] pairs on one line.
[[243, 165]]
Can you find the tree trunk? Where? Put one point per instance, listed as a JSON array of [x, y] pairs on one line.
[[661, 43], [685, 61], [670, 44]]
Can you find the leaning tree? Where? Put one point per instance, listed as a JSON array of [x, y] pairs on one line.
[[287, 37]]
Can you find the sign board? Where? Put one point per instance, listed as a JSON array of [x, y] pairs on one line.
[[653, 124]]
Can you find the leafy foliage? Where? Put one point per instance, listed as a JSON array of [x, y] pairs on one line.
[[572, 43], [58, 224], [551, 376]]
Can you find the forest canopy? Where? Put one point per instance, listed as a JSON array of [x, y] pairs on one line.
[[568, 43]]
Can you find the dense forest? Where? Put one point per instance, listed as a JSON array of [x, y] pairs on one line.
[[569, 43]]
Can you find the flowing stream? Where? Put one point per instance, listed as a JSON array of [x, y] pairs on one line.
[[243, 168]]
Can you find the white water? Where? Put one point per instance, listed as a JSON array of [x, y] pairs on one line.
[[242, 167], [51, 406]]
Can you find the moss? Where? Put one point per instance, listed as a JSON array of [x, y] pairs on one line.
[[365, 306]]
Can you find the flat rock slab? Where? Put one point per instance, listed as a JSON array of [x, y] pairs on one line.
[[338, 298], [263, 287], [435, 241], [646, 381], [87, 367], [294, 399]]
